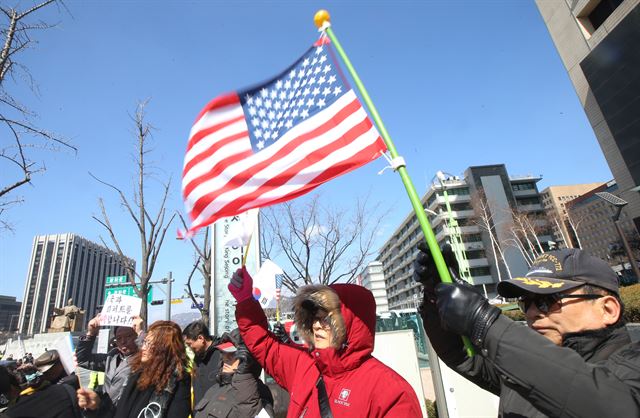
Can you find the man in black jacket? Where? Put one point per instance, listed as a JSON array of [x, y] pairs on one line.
[[208, 361], [240, 392], [574, 360]]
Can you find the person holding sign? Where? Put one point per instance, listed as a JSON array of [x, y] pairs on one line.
[[115, 363], [159, 385]]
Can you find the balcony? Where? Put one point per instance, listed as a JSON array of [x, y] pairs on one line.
[[530, 208], [478, 262], [478, 280]]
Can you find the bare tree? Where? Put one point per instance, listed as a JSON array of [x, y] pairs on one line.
[[484, 219], [321, 244], [575, 219], [202, 253], [22, 136], [151, 229], [567, 243], [524, 231]]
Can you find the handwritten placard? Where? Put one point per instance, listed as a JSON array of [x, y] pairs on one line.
[[119, 310]]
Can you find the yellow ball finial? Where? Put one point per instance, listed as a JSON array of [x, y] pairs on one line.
[[320, 17]]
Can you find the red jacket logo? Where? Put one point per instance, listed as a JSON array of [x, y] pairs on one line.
[[344, 394], [343, 397]]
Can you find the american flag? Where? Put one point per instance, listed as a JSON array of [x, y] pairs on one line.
[[276, 141], [279, 279]]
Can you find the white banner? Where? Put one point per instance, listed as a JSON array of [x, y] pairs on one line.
[[224, 262], [119, 310]]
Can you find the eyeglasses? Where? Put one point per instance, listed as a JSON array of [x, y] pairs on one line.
[[544, 303], [325, 321]]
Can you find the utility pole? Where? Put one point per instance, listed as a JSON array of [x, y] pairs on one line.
[[167, 311]]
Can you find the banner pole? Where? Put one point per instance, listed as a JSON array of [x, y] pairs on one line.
[[322, 21]]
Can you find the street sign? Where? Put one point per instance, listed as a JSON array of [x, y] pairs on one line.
[[111, 280], [126, 290]]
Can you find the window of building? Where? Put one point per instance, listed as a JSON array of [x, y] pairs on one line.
[[523, 186], [602, 10], [529, 201], [458, 191], [480, 271]]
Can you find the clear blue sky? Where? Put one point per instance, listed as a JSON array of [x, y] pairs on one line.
[[457, 83]]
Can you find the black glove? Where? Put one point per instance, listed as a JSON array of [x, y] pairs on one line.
[[426, 272], [281, 333], [464, 311]]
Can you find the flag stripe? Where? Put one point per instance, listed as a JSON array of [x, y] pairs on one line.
[[212, 162], [239, 127]]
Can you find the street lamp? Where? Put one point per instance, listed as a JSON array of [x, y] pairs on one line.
[[619, 204]]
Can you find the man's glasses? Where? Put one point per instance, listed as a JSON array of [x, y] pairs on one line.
[[544, 303]]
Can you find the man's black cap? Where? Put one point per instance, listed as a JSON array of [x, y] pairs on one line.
[[559, 271], [47, 360]]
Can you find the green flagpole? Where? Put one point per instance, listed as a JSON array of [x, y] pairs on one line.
[[322, 21]]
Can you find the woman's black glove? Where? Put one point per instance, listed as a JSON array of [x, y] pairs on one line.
[[465, 311]]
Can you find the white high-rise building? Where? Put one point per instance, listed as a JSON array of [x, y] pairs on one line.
[[63, 267], [373, 279]]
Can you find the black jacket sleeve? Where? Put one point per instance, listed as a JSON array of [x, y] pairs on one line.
[[88, 360], [451, 350], [558, 381], [180, 406]]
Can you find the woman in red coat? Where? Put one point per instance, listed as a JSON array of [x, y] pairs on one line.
[[338, 324]]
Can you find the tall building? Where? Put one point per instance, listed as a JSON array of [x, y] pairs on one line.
[[373, 279], [62, 267], [596, 232], [598, 43], [9, 313], [503, 195], [554, 200]]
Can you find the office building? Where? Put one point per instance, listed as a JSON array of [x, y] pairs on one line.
[[594, 224], [504, 197], [597, 41], [63, 267], [9, 313], [554, 200], [373, 279]]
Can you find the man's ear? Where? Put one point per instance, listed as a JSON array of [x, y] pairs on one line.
[[611, 310]]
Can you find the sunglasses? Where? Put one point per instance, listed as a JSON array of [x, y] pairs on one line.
[[544, 303]]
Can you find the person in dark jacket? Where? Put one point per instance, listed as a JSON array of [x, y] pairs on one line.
[[115, 363], [159, 385], [575, 358], [50, 395], [240, 392], [207, 359], [337, 374]]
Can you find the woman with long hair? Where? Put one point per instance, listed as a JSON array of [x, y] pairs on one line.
[[159, 384]]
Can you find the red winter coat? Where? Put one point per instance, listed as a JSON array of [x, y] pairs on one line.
[[358, 385]]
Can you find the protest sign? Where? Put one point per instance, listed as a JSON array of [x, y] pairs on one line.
[[119, 310]]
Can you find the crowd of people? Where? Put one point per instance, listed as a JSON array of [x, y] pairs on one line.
[[573, 359]]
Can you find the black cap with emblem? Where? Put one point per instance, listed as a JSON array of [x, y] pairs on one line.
[[559, 271]]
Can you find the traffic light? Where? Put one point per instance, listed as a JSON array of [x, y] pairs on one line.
[[157, 302]]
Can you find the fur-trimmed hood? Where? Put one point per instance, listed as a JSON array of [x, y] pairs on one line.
[[351, 313]]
